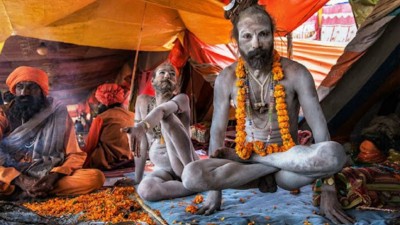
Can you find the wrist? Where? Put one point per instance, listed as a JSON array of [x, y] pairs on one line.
[[328, 184], [145, 125]]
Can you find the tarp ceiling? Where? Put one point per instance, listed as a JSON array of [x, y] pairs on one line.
[[126, 24]]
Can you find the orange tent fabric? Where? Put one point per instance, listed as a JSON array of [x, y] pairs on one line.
[[123, 24]]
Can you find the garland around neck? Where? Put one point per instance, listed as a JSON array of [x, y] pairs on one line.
[[245, 149]]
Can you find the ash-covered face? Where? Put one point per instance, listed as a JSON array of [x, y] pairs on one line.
[[164, 80], [255, 40]]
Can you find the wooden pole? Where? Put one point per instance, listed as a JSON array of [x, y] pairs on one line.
[[289, 45], [132, 99], [193, 98]]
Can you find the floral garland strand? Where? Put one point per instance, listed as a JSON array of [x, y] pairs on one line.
[[245, 149]]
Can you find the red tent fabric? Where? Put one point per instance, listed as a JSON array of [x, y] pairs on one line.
[[299, 11]]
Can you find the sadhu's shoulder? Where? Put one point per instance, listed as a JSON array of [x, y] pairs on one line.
[[228, 73], [289, 64], [144, 98]]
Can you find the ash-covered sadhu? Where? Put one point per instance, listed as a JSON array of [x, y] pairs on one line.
[[267, 91]]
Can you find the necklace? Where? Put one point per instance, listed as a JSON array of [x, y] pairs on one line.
[[261, 106], [245, 149]]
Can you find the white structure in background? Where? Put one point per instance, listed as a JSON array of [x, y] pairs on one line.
[[333, 23]]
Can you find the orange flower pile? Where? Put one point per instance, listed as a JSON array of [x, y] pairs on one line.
[[198, 199], [191, 209], [245, 149], [107, 205]]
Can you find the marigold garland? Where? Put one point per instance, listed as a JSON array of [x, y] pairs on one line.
[[107, 205], [245, 149]]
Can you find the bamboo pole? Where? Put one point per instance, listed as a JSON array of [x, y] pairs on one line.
[[132, 99]]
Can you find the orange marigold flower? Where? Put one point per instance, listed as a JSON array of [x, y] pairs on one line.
[[283, 119], [191, 209], [279, 87], [280, 106], [279, 94], [285, 131], [276, 56], [282, 113], [280, 100], [283, 125], [276, 70], [198, 199], [240, 83]]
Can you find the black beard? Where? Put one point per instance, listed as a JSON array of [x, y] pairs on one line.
[[165, 87], [258, 58], [25, 107]]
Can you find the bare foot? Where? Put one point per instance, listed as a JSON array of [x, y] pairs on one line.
[[227, 153], [267, 184]]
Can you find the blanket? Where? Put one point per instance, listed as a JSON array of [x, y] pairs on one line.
[[243, 207]]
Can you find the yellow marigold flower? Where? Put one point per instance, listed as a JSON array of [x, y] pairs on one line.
[[278, 76], [279, 94], [285, 131], [240, 83], [242, 92], [286, 136]]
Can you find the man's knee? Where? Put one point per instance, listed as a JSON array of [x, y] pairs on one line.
[[335, 155], [147, 191], [98, 179], [193, 176]]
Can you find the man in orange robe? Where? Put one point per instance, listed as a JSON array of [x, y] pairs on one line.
[[39, 153], [107, 148]]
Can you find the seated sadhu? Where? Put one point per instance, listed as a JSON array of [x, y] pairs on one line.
[[373, 181], [39, 153], [107, 148]]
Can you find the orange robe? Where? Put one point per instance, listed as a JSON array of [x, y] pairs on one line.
[[107, 147], [76, 181]]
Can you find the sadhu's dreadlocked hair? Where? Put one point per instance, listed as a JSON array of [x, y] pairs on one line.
[[233, 9], [239, 8]]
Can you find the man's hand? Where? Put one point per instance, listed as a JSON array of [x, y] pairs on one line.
[[45, 185], [135, 135], [25, 182], [212, 203], [331, 208]]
